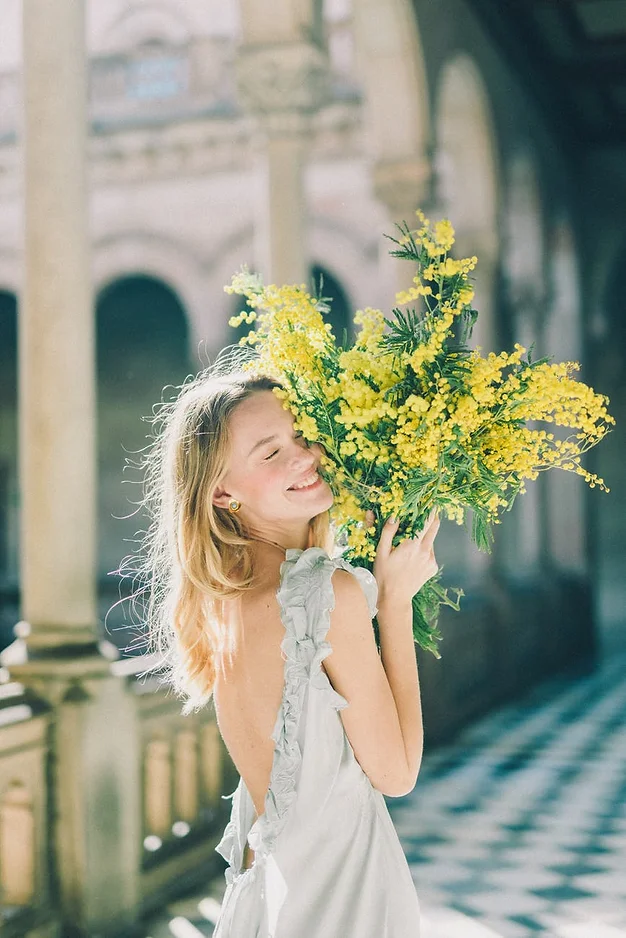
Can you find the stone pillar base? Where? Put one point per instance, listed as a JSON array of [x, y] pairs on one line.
[[95, 790]]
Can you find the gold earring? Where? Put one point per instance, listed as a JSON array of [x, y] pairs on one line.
[[234, 505]]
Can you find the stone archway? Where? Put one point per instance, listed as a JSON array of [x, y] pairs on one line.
[[340, 315], [142, 347], [322, 281], [170, 262]]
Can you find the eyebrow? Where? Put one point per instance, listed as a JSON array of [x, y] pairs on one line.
[[266, 439]]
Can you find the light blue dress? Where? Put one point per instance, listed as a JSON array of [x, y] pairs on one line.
[[328, 861]]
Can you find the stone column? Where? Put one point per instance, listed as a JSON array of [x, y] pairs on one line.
[[402, 186], [562, 336], [56, 337], [94, 770], [281, 85]]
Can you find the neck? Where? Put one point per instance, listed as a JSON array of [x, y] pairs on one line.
[[284, 540]]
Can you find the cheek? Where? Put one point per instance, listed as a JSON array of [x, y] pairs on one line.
[[268, 482]]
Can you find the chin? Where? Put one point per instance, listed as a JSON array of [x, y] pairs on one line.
[[325, 504]]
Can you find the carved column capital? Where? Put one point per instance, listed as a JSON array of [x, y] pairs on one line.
[[403, 186], [283, 83]]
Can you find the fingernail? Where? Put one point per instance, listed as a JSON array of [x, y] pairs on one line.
[[392, 521]]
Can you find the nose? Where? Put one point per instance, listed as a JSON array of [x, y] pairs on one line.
[[306, 457]]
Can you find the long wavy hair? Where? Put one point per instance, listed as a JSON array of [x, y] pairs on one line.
[[194, 554]]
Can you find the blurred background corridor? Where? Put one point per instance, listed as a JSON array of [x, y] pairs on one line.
[[148, 149]]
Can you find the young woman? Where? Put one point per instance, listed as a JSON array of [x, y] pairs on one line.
[[254, 609]]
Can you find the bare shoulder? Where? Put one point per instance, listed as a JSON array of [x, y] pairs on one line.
[[350, 618]]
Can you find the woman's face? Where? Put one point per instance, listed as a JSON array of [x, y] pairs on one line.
[[272, 471]]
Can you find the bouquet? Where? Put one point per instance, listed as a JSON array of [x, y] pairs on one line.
[[410, 417]]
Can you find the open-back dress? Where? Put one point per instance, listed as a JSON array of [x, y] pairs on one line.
[[328, 862]]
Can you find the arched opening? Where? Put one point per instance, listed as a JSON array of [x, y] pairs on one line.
[[142, 347], [322, 283], [9, 522], [340, 314]]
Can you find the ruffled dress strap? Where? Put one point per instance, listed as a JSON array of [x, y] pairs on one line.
[[306, 599]]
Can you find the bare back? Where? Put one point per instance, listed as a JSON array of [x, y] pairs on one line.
[[318, 784], [249, 687]]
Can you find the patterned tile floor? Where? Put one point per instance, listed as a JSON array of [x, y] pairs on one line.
[[521, 822], [516, 829]]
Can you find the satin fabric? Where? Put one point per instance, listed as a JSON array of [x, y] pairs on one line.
[[328, 861]]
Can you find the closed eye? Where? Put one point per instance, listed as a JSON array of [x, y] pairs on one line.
[[297, 435]]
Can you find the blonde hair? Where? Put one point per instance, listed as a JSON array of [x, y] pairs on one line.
[[195, 554]]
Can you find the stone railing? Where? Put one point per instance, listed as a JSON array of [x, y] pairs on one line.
[[183, 769], [25, 881]]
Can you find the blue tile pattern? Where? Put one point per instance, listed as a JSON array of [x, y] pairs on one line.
[[520, 823]]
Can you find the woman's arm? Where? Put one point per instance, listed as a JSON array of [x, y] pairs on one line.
[[372, 718], [397, 651], [384, 718]]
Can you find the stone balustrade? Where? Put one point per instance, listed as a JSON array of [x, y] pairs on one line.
[[26, 901], [183, 771]]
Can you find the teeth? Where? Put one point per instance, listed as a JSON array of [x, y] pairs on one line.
[[308, 481]]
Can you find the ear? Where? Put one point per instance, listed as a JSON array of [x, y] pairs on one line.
[[221, 498]]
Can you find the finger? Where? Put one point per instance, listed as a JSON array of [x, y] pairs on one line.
[[389, 529], [430, 534], [419, 537], [427, 524], [433, 516]]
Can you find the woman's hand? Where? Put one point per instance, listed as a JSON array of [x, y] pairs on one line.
[[402, 571]]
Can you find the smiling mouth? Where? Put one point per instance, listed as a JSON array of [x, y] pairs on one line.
[[311, 480]]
